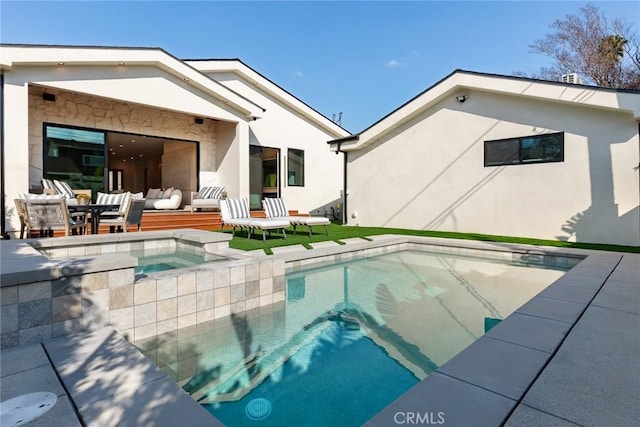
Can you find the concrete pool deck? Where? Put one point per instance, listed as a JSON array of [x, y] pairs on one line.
[[568, 356]]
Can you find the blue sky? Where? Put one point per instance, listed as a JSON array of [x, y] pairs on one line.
[[361, 58]]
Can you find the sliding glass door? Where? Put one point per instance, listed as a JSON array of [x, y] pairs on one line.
[[264, 174], [76, 156]]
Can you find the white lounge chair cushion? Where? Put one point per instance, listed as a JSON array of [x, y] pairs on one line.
[[205, 203], [307, 220], [268, 223]]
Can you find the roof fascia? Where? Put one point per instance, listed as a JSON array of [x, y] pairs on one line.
[[460, 80], [259, 81], [47, 56]]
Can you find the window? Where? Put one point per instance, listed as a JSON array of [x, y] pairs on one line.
[[295, 168], [528, 149], [75, 156]]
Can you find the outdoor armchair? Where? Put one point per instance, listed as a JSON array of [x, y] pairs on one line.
[[21, 210], [48, 215], [132, 216]]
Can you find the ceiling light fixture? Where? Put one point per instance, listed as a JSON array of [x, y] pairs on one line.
[[121, 64], [60, 63]]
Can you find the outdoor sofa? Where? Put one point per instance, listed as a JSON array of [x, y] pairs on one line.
[[207, 198]]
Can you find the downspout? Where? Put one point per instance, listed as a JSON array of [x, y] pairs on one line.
[[3, 225], [344, 184], [338, 143]]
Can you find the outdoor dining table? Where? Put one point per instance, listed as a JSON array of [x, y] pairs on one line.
[[95, 210]]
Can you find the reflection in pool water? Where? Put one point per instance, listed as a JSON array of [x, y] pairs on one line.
[[350, 338]]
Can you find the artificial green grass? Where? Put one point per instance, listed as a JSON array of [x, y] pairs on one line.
[[339, 232]]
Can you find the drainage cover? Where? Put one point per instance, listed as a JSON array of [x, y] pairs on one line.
[[22, 409], [258, 409]]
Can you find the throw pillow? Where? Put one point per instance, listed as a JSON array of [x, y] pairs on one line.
[[167, 193], [29, 196], [153, 193], [204, 193], [64, 189], [211, 192], [47, 184], [109, 199]]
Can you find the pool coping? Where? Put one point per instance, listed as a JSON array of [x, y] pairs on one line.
[[458, 391]]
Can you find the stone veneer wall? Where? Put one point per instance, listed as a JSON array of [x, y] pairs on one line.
[[139, 309], [76, 109], [153, 306]]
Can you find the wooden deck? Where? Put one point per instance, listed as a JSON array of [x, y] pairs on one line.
[[173, 220]]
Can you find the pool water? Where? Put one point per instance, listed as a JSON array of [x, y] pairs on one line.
[[152, 261], [349, 339]]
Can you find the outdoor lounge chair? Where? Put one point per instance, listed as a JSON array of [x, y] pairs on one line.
[[274, 208], [50, 214], [235, 213], [132, 216]]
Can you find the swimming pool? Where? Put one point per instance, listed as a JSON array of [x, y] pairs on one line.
[[350, 338], [162, 259]]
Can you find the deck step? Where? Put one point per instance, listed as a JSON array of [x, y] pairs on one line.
[[173, 220]]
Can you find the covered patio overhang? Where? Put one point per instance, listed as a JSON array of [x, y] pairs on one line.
[[137, 91]]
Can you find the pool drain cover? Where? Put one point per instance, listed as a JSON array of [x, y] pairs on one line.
[[23, 409], [258, 409]]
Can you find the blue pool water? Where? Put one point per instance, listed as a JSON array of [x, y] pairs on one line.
[[349, 339], [151, 261], [344, 368]]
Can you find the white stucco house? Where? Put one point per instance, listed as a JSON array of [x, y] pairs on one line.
[[499, 155], [114, 118]]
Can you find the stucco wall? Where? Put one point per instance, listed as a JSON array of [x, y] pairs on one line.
[[429, 174], [282, 128]]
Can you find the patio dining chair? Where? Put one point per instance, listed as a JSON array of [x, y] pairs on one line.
[[132, 216], [275, 208], [235, 213], [21, 210], [48, 215]]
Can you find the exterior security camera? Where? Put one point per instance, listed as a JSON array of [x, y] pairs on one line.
[[461, 98]]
